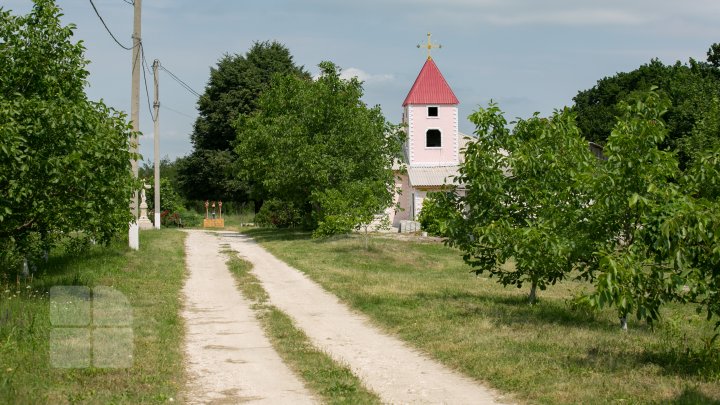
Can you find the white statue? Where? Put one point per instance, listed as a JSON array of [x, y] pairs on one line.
[[143, 198], [144, 222]]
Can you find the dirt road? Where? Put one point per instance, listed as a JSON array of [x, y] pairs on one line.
[[229, 358]]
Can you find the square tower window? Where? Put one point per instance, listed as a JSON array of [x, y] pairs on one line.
[[433, 138], [432, 111]]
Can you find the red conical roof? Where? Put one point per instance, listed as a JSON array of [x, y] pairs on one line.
[[430, 87]]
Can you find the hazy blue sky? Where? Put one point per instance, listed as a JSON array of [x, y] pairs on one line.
[[528, 55]]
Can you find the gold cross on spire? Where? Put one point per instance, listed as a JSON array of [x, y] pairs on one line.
[[429, 45]]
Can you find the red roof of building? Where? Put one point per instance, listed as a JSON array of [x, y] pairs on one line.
[[430, 87]]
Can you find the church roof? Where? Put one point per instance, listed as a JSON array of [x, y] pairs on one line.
[[430, 87], [432, 176]]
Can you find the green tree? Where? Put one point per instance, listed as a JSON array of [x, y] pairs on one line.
[[208, 174], [170, 200], [232, 91], [65, 160], [435, 213], [691, 88], [168, 170], [642, 230], [713, 55], [315, 145], [356, 205], [657, 228], [521, 199]]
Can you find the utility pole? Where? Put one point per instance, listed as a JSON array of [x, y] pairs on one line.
[[134, 237], [156, 136]]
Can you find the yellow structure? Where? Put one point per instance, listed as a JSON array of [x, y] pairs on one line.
[[213, 222], [430, 45]]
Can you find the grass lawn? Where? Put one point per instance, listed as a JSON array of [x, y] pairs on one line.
[[233, 222], [332, 382], [546, 353], [150, 279]]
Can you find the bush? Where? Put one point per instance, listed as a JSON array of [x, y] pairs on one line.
[[191, 217], [434, 214], [64, 158], [170, 200], [279, 214]]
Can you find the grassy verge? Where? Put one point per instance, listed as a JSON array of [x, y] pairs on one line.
[[235, 221], [150, 279], [546, 353], [332, 382]]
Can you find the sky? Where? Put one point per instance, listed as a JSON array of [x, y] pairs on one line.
[[527, 55]]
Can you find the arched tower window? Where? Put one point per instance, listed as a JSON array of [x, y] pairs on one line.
[[433, 138]]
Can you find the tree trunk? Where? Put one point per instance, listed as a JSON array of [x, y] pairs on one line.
[[366, 238], [533, 293]]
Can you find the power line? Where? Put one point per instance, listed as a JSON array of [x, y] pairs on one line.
[[132, 3], [145, 69], [147, 65], [165, 107], [147, 92], [180, 82], [137, 57], [108, 29]]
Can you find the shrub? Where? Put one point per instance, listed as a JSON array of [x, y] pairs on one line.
[[279, 214], [170, 200], [434, 214]]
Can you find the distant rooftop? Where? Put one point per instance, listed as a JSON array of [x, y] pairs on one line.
[[430, 87]]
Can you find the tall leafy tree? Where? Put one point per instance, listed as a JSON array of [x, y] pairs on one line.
[[713, 55], [657, 228], [642, 230], [692, 89], [521, 200], [207, 174], [64, 159], [232, 91], [315, 145]]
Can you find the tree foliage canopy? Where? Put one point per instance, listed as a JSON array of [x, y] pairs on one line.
[[314, 141], [657, 228], [207, 174], [65, 159], [232, 91], [644, 232], [692, 89], [519, 201]]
